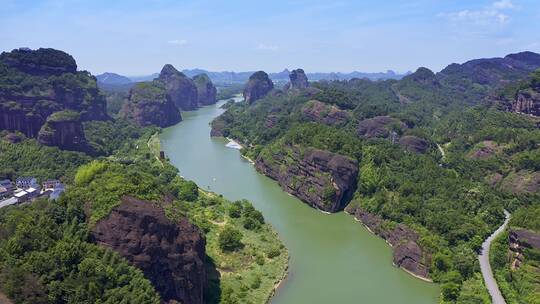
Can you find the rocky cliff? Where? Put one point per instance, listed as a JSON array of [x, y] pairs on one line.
[[64, 129], [298, 80], [380, 127], [181, 90], [407, 254], [206, 91], [527, 102], [257, 87], [36, 83], [149, 104], [170, 254], [322, 179], [414, 144], [321, 112]]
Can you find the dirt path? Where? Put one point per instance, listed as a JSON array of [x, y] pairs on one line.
[[4, 299], [442, 151], [487, 273]]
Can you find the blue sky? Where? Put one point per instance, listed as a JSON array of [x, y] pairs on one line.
[[138, 37]]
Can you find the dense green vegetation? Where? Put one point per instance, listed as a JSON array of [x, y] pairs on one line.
[[47, 254], [518, 285], [28, 158], [454, 201], [46, 257]]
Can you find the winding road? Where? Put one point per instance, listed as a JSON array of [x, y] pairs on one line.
[[487, 273]]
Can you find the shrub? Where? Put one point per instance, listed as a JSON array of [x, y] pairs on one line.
[[188, 191], [86, 173], [235, 210], [230, 239]]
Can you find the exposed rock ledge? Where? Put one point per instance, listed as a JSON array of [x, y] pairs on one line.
[[407, 253], [322, 179], [170, 254]]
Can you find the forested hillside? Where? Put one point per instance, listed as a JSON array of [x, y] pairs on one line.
[[440, 156]]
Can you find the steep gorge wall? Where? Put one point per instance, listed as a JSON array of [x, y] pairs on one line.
[[170, 254], [322, 179]]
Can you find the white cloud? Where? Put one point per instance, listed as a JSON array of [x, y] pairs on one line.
[[266, 47], [503, 4], [177, 42], [496, 13]]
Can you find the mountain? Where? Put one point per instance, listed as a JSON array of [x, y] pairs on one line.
[[283, 76], [112, 79], [421, 161], [35, 84]]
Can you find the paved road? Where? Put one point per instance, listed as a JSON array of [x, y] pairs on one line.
[[491, 283]]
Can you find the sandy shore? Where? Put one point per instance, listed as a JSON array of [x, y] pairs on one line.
[[233, 144]]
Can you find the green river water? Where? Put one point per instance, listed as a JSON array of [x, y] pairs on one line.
[[333, 258]]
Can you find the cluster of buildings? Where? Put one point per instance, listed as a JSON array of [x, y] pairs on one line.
[[27, 189]]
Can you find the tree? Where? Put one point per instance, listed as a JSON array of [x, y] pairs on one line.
[[235, 210], [230, 239], [188, 191]]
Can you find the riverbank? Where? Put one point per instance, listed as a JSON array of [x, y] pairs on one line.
[[390, 245], [261, 264], [330, 254]]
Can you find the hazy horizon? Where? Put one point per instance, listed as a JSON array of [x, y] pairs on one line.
[[137, 38]]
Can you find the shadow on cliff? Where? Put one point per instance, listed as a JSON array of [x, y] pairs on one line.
[[212, 293]]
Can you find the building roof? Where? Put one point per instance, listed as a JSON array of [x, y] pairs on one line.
[[31, 190], [26, 179], [9, 201], [20, 194]]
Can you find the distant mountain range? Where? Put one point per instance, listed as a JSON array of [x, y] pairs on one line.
[[112, 79]]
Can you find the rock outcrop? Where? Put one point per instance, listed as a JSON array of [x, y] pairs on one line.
[[206, 91], [170, 254], [404, 241], [519, 240], [527, 102], [64, 129], [322, 179], [522, 182], [149, 104], [485, 149], [414, 144], [257, 87], [41, 62], [298, 80], [321, 112], [379, 127], [37, 83], [180, 88]]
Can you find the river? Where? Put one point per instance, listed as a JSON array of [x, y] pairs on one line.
[[333, 258]]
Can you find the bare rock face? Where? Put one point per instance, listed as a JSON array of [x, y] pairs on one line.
[[149, 104], [527, 102], [170, 254], [407, 253], [414, 144], [322, 179], [298, 80], [180, 88], [324, 113], [206, 91], [64, 129], [522, 182], [379, 127], [525, 238], [257, 87]]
